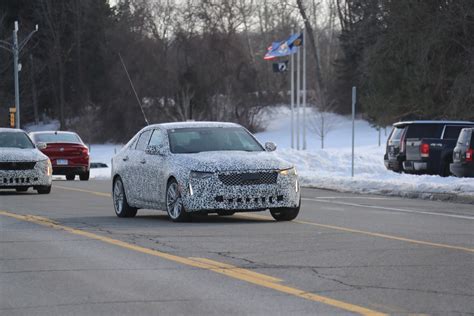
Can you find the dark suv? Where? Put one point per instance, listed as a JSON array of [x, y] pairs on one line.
[[463, 160], [422, 146]]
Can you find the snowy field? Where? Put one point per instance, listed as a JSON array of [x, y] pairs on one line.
[[331, 168]]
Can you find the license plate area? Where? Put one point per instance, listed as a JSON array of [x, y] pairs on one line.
[[62, 162]]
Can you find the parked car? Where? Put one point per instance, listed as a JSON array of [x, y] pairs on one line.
[[68, 153], [463, 160], [423, 146], [22, 164], [205, 167]]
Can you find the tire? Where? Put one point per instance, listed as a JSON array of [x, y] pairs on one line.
[[174, 204], [285, 214], [445, 172], [44, 190], [22, 189], [121, 206], [84, 176], [70, 177], [225, 213]]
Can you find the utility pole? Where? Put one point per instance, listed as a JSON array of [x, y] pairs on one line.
[[15, 49]]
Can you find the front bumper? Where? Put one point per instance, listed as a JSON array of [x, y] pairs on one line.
[[462, 170], [211, 194], [36, 177]]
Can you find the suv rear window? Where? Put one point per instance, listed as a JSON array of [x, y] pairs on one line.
[[424, 131], [452, 132], [397, 133]]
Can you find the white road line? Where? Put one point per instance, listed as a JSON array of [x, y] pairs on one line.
[[390, 208]]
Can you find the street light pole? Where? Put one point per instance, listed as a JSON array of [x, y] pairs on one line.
[[15, 49], [15, 74]]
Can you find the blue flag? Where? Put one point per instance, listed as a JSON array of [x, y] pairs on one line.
[[284, 48]]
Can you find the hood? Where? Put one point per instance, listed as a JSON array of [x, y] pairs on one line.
[[17, 154], [231, 161]]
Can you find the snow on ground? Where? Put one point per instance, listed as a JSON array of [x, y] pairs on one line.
[[331, 168]]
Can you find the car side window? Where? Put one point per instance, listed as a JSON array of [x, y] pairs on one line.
[[452, 132], [156, 138], [143, 140]]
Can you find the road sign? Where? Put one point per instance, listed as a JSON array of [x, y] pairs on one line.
[[12, 117]]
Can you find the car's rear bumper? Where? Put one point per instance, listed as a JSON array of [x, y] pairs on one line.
[[65, 170], [415, 166], [213, 195], [462, 170], [37, 177]]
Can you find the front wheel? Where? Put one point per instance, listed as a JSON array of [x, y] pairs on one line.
[[22, 189], [285, 213], [44, 190], [121, 206], [174, 203], [70, 177]]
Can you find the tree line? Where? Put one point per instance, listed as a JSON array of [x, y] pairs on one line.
[[203, 60]]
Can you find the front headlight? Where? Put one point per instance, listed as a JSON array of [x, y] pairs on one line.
[[288, 172], [49, 168], [200, 175]]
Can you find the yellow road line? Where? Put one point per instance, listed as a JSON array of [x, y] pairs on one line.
[[202, 263], [349, 230], [356, 231], [222, 265]]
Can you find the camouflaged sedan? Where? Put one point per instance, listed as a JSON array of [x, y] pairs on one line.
[[22, 165], [202, 167]]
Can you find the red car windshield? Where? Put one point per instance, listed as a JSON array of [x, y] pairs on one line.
[[57, 138]]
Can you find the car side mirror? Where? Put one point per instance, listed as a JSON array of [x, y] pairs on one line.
[[41, 146], [270, 146], [155, 150]]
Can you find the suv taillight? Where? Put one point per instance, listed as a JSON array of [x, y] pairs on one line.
[[425, 150], [469, 154]]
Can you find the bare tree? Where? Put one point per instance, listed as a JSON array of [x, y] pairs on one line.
[[322, 120]]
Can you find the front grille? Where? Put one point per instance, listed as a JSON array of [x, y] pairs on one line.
[[249, 199], [19, 165], [249, 178], [17, 180]]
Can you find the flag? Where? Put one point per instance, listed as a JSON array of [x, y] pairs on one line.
[[280, 67], [284, 48]]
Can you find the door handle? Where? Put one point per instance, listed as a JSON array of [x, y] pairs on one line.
[[143, 161], [125, 158]]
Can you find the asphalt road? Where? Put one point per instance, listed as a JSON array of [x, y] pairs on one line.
[[67, 253]]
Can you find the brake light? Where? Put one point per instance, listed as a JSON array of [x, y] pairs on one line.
[[425, 150], [469, 154], [85, 151]]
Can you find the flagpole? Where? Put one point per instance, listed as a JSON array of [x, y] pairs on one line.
[[304, 88], [292, 68], [298, 97]]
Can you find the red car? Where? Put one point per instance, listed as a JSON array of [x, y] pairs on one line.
[[67, 152]]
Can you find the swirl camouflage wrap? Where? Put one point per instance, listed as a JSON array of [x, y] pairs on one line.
[[206, 167], [22, 165]]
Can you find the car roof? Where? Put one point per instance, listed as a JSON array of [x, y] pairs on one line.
[[191, 124], [13, 130], [54, 132], [404, 123]]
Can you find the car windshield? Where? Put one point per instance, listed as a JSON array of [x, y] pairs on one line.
[[194, 140], [56, 138], [15, 140]]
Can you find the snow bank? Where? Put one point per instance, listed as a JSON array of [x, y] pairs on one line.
[[331, 168]]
